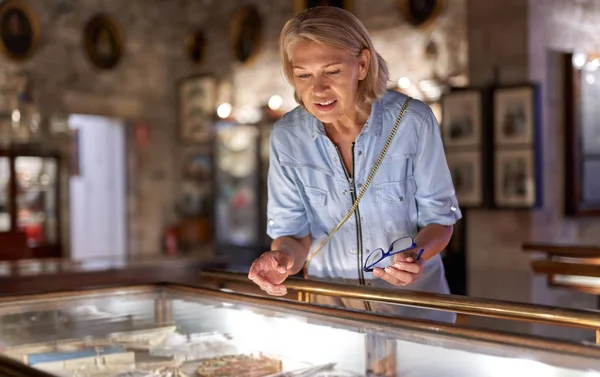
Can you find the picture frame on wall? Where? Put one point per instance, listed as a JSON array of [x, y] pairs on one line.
[[195, 46], [517, 179], [19, 30], [515, 115], [196, 108], [302, 5], [462, 118], [421, 13], [103, 41], [467, 177], [246, 33]]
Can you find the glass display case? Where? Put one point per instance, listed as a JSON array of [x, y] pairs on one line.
[[175, 330], [29, 206]]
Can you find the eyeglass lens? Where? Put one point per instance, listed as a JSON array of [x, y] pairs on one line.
[[373, 258], [402, 244]]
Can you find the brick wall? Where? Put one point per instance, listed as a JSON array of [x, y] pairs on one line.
[[142, 86]]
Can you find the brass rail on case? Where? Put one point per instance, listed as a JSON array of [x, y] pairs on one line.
[[373, 321], [466, 305]]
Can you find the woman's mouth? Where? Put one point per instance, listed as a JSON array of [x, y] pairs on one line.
[[325, 105]]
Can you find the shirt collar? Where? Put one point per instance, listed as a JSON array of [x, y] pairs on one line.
[[372, 127]]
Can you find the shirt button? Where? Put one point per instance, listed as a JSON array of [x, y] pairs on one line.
[[401, 198], [352, 251], [453, 208], [271, 222], [359, 153], [360, 185]]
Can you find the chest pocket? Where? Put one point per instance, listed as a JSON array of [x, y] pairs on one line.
[[397, 206], [316, 199]]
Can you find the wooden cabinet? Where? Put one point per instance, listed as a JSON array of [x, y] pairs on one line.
[[29, 204]]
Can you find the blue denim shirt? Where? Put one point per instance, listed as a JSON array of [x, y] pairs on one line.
[[309, 190]]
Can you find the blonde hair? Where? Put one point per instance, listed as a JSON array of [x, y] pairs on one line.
[[337, 28]]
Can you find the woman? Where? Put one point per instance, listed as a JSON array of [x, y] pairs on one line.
[[321, 155]]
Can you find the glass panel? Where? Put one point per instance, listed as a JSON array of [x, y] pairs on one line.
[[4, 194], [237, 182], [122, 330], [36, 199], [590, 111]]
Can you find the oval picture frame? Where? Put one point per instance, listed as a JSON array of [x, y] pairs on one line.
[[19, 30], [246, 30], [103, 42], [421, 13], [302, 5], [195, 46]]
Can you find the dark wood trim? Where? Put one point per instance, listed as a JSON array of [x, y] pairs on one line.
[[575, 251], [562, 268], [575, 287], [162, 271]]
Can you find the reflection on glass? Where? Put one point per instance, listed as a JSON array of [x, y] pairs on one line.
[[145, 331], [590, 95], [36, 199], [237, 177], [4, 194]]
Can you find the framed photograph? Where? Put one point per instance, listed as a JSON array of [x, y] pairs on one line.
[[515, 115], [517, 179], [462, 118], [582, 134], [465, 168], [103, 42], [246, 32], [421, 13], [195, 46], [196, 97], [301, 5], [18, 30]]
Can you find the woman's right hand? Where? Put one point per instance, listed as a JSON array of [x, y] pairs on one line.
[[270, 270]]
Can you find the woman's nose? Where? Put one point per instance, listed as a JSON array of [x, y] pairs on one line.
[[320, 86]]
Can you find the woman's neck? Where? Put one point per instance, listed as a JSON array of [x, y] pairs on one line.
[[348, 126]]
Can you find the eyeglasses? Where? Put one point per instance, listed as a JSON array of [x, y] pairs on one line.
[[398, 246]]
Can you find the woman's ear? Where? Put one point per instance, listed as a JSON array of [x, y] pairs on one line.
[[364, 59]]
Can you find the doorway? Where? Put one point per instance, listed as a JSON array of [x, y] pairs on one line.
[[98, 189]]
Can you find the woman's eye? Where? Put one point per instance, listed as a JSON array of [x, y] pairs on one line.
[[333, 72], [303, 76]]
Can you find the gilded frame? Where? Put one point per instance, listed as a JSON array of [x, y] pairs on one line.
[[33, 25]]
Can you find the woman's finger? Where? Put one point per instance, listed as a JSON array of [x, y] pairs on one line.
[[413, 268], [394, 276]]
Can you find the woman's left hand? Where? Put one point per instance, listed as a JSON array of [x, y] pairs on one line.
[[403, 270]]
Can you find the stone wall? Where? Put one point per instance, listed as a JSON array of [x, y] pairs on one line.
[[142, 86]]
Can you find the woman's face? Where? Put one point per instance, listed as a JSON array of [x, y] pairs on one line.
[[326, 79]]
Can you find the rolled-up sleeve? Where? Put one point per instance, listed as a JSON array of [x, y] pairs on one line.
[[436, 197], [286, 214]]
